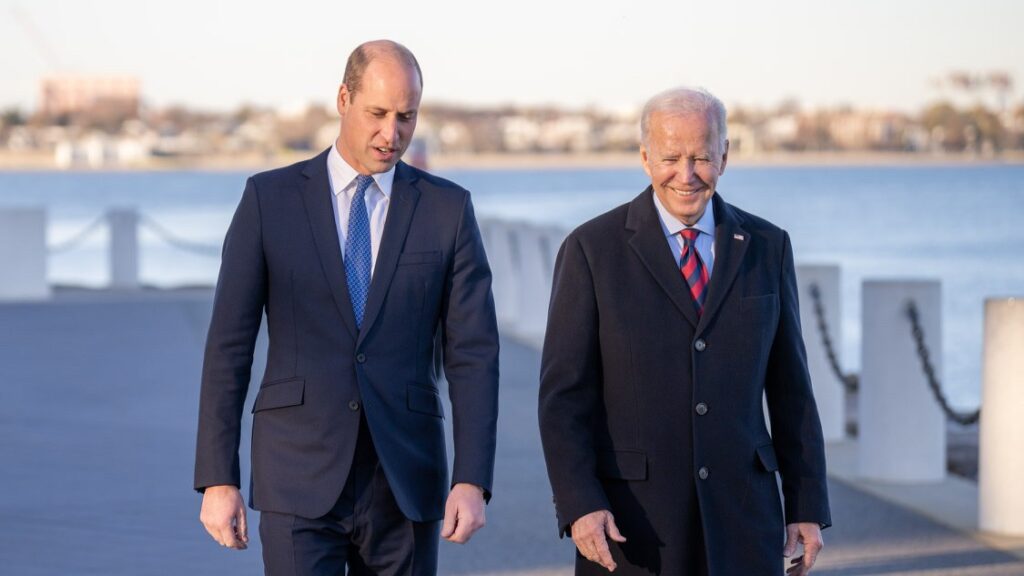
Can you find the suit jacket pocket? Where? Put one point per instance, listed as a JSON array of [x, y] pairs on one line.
[[760, 311], [424, 400], [766, 455], [622, 464], [280, 394], [407, 258]]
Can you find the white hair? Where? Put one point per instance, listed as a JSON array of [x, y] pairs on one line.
[[684, 100]]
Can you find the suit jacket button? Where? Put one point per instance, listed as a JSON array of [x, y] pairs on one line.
[[702, 409], [703, 473], [360, 358], [700, 345], [353, 405]]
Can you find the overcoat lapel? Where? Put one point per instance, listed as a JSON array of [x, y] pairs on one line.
[[648, 241], [404, 197], [318, 199], [731, 242]]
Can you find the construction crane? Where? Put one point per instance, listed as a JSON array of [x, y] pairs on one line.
[[37, 37]]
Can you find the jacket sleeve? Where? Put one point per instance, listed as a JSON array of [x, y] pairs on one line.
[[796, 428], [237, 312], [469, 335], [571, 388]]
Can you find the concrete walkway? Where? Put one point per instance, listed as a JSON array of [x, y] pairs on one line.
[[98, 401]]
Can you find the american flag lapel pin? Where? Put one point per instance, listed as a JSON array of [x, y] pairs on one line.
[[737, 236]]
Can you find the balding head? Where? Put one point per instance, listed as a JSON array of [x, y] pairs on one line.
[[372, 50]]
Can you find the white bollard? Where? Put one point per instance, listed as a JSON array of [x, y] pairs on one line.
[[537, 268], [23, 254], [504, 270], [553, 237], [828, 389], [902, 428], [1001, 431], [124, 248]]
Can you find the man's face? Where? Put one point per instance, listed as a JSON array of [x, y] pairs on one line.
[[377, 122], [684, 158]]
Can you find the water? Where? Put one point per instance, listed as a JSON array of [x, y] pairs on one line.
[[960, 225]]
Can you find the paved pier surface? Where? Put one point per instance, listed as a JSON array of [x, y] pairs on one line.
[[98, 404]]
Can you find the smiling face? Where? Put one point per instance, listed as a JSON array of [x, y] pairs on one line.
[[378, 121], [684, 156]]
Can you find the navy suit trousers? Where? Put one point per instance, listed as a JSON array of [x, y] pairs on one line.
[[365, 531]]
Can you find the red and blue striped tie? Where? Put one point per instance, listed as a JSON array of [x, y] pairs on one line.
[[693, 268]]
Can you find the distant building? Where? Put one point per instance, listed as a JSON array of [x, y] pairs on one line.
[[62, 95]]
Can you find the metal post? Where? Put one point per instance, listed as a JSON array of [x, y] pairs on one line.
[[902, 427], [534, 281], [828, 389], [23, 254], [1001, 467], [124, 248]]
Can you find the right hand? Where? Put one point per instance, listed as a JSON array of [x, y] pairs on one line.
[[589, 535], [223, 516]]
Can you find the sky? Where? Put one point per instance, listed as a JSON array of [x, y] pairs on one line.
[[219, 54]]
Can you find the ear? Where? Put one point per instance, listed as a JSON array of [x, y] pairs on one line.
[[344, 99], [725, 158], [645, 160]]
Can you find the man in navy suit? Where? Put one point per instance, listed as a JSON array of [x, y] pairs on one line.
[[671, 317], [359, 261]]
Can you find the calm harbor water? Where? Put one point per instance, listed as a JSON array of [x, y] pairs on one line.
[[960, 225]]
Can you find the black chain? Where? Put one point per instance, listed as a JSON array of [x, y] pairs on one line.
[[78, 238], [963, 418], [178, 242], [849, 381]]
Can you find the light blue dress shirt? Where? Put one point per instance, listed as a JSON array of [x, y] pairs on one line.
[[671, 226]]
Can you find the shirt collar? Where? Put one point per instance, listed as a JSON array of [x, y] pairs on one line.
[[342, 175], [671, 225]]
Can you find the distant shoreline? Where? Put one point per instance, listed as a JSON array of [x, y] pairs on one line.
[[38, 162]]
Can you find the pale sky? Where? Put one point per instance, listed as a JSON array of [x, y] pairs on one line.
[[218, 54]]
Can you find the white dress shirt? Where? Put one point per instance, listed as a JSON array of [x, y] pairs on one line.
[[378, 198], [672, 227]]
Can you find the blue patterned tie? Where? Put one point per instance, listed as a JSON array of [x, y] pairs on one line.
[[358, 258]]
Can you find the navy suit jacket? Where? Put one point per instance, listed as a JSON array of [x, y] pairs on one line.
[[639, 394], [282, 255]]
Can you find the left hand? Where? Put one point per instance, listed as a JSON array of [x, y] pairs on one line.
[[463, 513], [808, 534]]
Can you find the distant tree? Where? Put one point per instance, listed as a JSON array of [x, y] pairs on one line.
[[813, 132], [299, 133], [739, 115], [243, 114], [12, 117], [1015, 136], [987, 127], [947, 124]]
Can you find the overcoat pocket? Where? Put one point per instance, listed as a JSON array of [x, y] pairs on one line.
[[622, 464]]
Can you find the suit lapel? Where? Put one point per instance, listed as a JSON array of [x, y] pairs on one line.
[[404, 197], [318, 199], [650, 245], [731, 243]]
